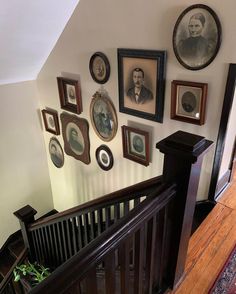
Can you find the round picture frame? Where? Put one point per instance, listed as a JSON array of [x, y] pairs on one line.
[[104, 157], [197, 37], [56, 152], [99, 67], [103, 117]]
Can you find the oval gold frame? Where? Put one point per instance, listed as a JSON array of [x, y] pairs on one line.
[[111, 110]]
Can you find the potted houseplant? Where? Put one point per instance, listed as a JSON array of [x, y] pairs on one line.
[[30, 274]]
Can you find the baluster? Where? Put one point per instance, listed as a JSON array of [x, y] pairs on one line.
[[62, 258], [68, 234], [116, 212], [86, 229], [49, 246], [124, 266], [73, 224], [110, 273], [136, 201], [150, 248], [38, 242], [36, 250], [55, 239], [126, 207], [108, 217], [80, 229], [99, 215], [139, 260], [93, 225], [46, 245], [43, 245], [64, 239]]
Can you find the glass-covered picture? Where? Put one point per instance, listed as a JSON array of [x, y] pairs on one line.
[[56, 152], [51, 123], [197, 37], [188, 101], [104, 157], [103, 117], [76, 137], [136, 145]]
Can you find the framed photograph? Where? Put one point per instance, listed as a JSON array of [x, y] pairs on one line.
[[56, 152], [104, 157], [188, 101], [70, 95], [76, 137], [135, 145], [141, 75], [197, 37], [103, 117], [51, 123], [99, 67]]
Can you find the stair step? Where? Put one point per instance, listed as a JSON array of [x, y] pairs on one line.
[[6, 262], [16, 247]]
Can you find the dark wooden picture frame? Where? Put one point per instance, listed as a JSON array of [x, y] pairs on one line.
[[70, 94], [103, 117], [104, 157], [188, 101], [75, 133], [56, 152], [51, 122], [197, 37], [99, 67], [141, 75], [136, 145]]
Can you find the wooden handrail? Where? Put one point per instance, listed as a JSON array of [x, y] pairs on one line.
[[76, 268], [9, 275], [117, 196]]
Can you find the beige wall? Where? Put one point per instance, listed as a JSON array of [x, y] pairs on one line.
[[106, 25], [24, 177]]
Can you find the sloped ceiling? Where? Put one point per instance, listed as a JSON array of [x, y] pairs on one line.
[[29, 29]]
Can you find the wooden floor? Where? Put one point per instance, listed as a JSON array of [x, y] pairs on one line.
[[210, 245]]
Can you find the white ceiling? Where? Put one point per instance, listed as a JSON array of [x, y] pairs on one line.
[[29, 29]]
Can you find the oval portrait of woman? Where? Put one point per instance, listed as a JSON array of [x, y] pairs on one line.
[[197, 37]]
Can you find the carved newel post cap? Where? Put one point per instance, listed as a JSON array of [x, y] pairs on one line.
[[183, 144], [25, 213]]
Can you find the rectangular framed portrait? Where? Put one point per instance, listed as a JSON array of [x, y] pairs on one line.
[[188, 101], [136, 145], [70, 94], [141, 75], [51, 122]]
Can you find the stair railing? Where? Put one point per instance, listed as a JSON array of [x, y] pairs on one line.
[[129, 257], [56, 238], [182, 165]]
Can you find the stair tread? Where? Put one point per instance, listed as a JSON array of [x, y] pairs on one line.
[[16, 247], [6, 262]]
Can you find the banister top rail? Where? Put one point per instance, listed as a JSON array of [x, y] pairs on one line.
[[76, 268], [111, 198]]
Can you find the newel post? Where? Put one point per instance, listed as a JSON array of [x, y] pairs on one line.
[[182, 165], [26, 217]]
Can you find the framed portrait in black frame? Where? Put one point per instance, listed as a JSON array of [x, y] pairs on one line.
[[141, 75], [51, 123], [136, 145], [75, 133], [104, 157], [197, 37], [70, 94], [99, 67], [188, 101]]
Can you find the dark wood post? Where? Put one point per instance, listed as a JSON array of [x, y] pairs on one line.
[[182, 165], [26, 217]]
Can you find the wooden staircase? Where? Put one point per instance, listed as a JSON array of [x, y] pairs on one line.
[[132, 241]]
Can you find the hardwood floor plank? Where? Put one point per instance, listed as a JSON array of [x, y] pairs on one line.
[[205, 270]]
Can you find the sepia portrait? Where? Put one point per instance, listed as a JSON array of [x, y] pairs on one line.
[[51, 123], [56, 152], [99, 67], [141, 83], [197, 37]]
